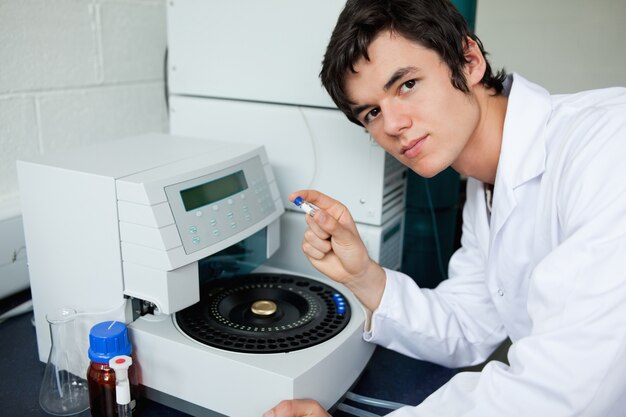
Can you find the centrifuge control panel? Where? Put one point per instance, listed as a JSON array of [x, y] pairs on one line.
[[214, 207]]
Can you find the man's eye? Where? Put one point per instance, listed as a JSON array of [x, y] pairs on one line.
[[407, 86], [371, 115]]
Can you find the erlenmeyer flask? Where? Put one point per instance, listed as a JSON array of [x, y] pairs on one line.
[[64, 389]]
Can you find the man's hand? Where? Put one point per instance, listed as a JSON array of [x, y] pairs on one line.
[[333, 246], [297, 408]]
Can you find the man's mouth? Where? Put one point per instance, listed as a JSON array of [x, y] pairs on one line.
[[413, 147]]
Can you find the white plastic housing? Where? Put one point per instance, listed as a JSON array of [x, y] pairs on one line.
[[99, 226], [269, 51], [214, 380]]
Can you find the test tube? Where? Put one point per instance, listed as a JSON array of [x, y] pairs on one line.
[[305, 206]]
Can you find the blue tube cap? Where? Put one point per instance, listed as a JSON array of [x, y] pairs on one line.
[[107, 340], [298, 201]]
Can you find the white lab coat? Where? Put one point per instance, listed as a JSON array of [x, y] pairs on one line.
[[548, 270]]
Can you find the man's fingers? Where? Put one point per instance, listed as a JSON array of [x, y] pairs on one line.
[[315, 228], [313, 196], [340, 233], [332, 207], [312, 241], [297, 408]]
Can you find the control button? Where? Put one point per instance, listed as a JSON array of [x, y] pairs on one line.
[[244, 207], [193, 229], [212, 222], [195, 240], [242, 196], [199, 213], [216, 232], [500, 292], [229, 214], [230, 201], [233, 225], [247, 217], [215, 207]]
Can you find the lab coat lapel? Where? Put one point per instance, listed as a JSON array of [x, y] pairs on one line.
[[523, 151]]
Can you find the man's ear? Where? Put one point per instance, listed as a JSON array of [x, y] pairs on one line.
[[475, 64]]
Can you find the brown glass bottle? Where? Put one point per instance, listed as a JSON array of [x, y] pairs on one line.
[[106, 341], [101, 380]]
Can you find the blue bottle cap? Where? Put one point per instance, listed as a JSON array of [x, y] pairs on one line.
[[298, 201], [107, 340]]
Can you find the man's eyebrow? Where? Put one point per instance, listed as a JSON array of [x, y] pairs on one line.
[[400, 72]]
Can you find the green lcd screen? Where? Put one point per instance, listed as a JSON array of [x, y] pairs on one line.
[[213, 191]]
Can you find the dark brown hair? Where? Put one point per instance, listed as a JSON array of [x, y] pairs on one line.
[[434, 24]]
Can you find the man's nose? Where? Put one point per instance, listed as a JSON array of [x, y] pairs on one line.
[[396, 118]]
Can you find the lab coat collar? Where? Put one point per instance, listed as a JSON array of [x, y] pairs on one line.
[[523, 151]]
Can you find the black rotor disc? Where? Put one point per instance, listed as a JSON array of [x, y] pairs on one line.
[[265, 313]]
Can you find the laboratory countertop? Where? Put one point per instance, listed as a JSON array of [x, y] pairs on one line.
[[388, 376]]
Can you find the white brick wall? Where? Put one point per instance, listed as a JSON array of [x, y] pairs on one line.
[[132, 42], [90, 115], [73, 72], [19, 135], [47, 44]]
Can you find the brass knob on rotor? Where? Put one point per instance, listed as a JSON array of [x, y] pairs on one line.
[[263, 308]]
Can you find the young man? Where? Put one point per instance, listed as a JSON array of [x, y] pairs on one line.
[[543, 256]]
